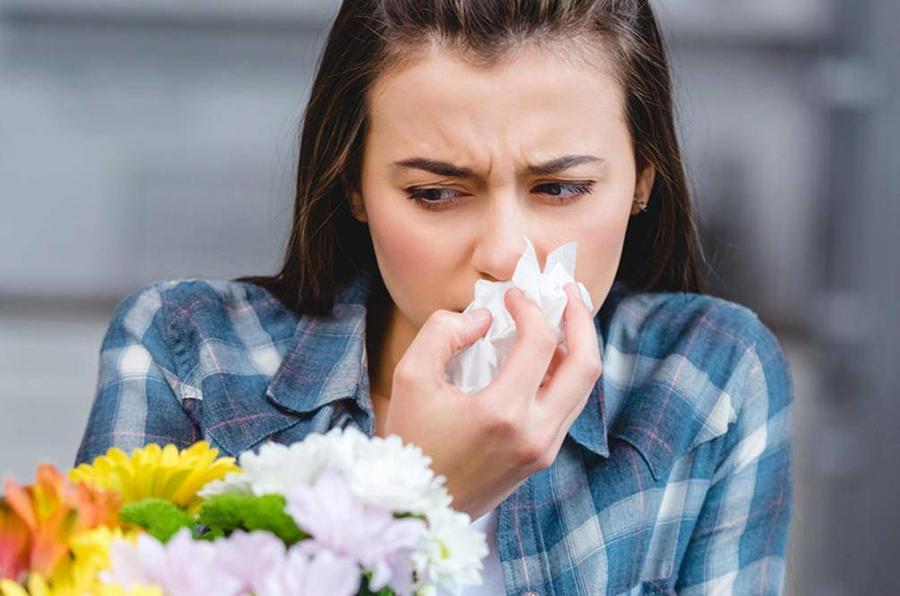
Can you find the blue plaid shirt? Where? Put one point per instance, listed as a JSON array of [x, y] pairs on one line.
[[676, 477]]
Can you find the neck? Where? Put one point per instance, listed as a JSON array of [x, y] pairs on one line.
[[388, 335]]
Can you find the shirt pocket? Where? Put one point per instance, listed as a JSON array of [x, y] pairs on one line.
[[663, 424]]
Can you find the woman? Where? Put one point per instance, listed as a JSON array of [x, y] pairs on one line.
[[440, 134]]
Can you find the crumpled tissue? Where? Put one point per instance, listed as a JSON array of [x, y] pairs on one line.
[[475, 367]]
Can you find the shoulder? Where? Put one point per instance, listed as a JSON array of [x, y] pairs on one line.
[[191, 324], [726, 340], [704, 334], [185, 356], [691, 364], [662, 319], [199, 296], [202, 305]]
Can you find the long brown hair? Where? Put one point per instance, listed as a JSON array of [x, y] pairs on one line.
[[327, 245]]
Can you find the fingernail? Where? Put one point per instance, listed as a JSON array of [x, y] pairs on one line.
[[480, 315]]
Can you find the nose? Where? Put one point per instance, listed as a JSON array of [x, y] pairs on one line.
[[501, 239]]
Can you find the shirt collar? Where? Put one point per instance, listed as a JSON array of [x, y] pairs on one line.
[[326, 363]]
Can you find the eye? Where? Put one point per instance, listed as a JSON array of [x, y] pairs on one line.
[[430, 198], [577, 190]]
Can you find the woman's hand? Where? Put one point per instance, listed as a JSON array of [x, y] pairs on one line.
[[489, 442]]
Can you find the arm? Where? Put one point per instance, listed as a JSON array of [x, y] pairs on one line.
[[135, 403], [738, 544]]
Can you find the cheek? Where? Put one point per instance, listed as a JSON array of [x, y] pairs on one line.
[[413, 258], [407, 245], [600, 242]]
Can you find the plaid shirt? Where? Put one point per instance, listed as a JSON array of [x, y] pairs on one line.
[[676, 477]]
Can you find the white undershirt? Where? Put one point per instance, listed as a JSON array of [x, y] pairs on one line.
[[492, 572]]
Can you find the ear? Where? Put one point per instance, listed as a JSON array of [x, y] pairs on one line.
[[643, 187], [357, 206]]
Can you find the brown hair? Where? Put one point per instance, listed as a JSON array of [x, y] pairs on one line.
[[327, 245]]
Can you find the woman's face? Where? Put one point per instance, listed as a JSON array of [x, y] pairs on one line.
[[458, 168]]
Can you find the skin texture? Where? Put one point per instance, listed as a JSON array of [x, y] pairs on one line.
[[537, 105]]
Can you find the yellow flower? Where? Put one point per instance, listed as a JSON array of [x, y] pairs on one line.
[[90, 555], [154, 471], [38, 586]]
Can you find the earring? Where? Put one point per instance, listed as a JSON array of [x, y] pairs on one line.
[[641, 204], [359, 213]]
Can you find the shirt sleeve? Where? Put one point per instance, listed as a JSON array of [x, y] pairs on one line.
[[738, 544], [135, 403]]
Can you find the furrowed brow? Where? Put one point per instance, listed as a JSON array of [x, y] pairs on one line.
[[443, 168]]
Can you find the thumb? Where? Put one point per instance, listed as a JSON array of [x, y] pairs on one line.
[[473, 325]]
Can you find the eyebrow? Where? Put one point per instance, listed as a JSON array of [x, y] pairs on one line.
[[443, 168]]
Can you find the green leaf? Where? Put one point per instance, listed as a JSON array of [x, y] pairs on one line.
[[223, 514], [365, 590], [160, 518], [407, 514]]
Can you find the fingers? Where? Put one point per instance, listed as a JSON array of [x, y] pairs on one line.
[[558, 357], [444, 334], [534, 348], [581, 367], [563, 429]]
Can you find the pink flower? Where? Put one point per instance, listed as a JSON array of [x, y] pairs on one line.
[[243, 563], [307, 573], [366, 534], [250, 558], [348, 537], [182, 567]]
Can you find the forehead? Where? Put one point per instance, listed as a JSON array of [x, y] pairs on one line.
[[533, 89]]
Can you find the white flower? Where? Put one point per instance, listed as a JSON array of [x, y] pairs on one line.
[[379, 471], [276, 468], [455, 551], [396, 476], [233, 482]]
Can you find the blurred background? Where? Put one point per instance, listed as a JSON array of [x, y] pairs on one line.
[[124, 125]]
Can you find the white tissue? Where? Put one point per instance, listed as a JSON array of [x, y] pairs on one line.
[[475, 367]]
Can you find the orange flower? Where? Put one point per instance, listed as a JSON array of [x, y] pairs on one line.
[[14, 544], [53, 510]]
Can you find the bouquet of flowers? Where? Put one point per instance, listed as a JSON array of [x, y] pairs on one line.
[[337, 513]]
